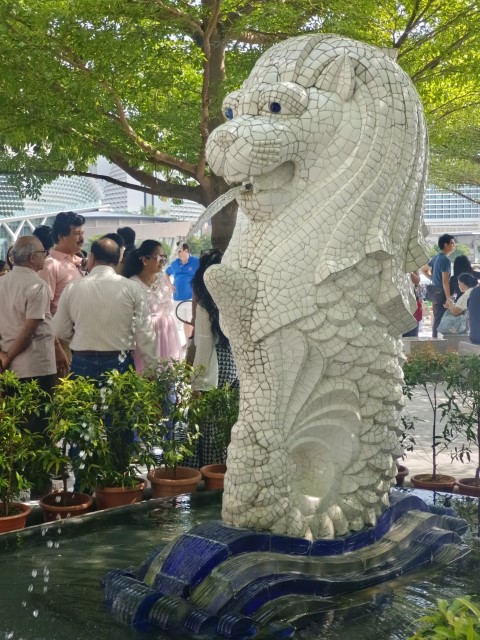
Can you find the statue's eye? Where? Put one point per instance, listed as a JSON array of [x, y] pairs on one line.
[[228, 113], [282, 99]]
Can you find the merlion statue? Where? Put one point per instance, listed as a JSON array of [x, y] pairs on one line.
[[314, 289]]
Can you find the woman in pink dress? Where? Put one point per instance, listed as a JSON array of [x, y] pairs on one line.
[[144, 266]]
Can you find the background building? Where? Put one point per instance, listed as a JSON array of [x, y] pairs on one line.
[[446, 212], [105, 209], [122, 200]]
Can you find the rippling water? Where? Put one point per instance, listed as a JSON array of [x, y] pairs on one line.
[[50, 581]]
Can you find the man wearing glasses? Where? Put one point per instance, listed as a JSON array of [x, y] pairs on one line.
[[26, 336], [27, 342]]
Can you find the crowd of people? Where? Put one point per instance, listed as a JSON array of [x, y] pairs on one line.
[[65, 312], [453, 292]]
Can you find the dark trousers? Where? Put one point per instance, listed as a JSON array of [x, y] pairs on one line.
[[94, 366], [413, 333], [438, 311], [39, 478], [38, 424]]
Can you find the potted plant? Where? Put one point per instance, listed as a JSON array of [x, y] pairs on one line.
[[429, 370], [132, 411], [20, 450], [463, 411], [111, 427], [215, 411], [74, 420], [173, 381]]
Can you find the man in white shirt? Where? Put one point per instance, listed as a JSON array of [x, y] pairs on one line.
[[104, 317]]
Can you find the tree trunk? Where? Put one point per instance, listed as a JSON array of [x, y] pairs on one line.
[[223, 224]]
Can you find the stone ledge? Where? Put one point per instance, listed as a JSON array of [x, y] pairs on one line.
[[413, 345], [466, 348]]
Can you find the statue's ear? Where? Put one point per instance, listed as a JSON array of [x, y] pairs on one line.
[[338, 77]]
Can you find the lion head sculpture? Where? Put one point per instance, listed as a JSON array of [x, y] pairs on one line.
[[331, 134]]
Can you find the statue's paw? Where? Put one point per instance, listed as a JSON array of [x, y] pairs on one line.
[[370, 516], [321, 526], [356, 524], [292, 524], [339, 520], [331, 523]]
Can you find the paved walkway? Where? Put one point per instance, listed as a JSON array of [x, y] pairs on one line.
[[420, 459]]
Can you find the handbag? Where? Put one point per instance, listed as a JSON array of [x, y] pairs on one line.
[[454, 324], [435, 294]]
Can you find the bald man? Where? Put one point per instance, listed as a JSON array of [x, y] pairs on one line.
[[104, 317]]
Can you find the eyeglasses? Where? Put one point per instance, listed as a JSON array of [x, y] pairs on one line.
[[159, 257], [44, 251]]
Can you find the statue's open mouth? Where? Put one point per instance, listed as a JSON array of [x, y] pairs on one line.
[[278, 178]]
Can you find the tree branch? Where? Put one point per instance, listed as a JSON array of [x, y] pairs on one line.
[[453, 110], [435, 32], [176, 14], [412, 22], [158, 188], [417, 77], [259, 37], [464, 195], [121, 118], [154, 154]]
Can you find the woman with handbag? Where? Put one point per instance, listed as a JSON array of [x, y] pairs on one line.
[[461, 264], [455, 318]]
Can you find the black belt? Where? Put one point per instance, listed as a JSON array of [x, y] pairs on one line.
[[101, 354]]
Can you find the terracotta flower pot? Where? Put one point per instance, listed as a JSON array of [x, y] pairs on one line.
[[165, 483], [466, 486], [111, 497], [54, 507], [213, 474], [441, 482], [402, 473], [17, 520]]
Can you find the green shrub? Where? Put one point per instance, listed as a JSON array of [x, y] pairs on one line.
[[458, 620]]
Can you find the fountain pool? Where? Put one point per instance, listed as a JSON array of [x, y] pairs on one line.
[[50, 576]]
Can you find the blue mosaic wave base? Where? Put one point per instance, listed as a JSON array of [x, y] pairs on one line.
[[236, 583]]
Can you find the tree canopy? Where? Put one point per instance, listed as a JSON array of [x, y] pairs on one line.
[[141, 81]]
